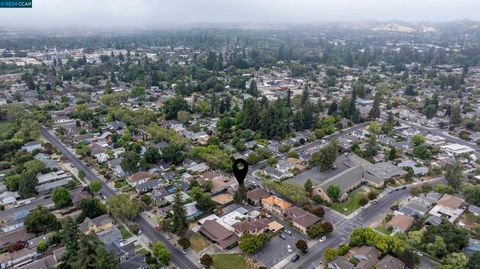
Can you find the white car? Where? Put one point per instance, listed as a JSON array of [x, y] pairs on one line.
[[289, 249], [323, 238], [288, 232]]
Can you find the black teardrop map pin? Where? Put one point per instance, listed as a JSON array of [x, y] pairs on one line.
[[240, 169]]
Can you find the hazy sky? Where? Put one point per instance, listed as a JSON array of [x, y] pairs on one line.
[[151, 13]]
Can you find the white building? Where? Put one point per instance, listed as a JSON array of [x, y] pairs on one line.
[[456, 149]]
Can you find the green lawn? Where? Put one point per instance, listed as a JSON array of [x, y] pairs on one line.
[[383, 230], [5, 129], [198, 243], [125, 233], [229, 261], [351, 204]]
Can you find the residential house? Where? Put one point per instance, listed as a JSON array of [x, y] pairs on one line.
[[401, 223], [255, 196], [18, 235], [138, 178], [198, 168], [9, 259], [149, 185], [250, 226], [389, 262], [31, 146], [367, 256], [456, 149], [449, 207], [340, 262], [98, 224], [191, 211], [434, 140], [110, 236], [275, 205], [218, 234], [475, 210], [301, 219]]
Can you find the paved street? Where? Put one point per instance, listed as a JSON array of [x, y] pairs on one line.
[[5, 214], [178, 258]]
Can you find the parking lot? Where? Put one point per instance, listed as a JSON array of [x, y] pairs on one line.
[[276, 249], [318, 177]]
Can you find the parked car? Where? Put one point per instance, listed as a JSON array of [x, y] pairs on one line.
[[283, 236], [288, 232], [323, 238], [289, 249], [295, 258]]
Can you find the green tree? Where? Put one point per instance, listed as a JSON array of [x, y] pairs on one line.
[[205, 203], [61, 197], [41, 220], [124, 207], [308, 186], [184, 242], [455, 260], [160, 252], [316, 231], [91, 208], [392, 154], [330, 254], [172, 106], [241, 194], [455, 115], [70, 235], [179, 219], [249, 243], [409, 258], [92, 254], [472, 194], [206, 260], [95, 186], [130, 160], [152, 155], [326, 156], [474, 261], [42, 246], [418, 139], [454, 174], [301, 245], [375, 111], [333, 192], [12, 182], [27, 184], [81, 174]]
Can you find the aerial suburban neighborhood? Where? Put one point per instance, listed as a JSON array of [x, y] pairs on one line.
[[362, 143]]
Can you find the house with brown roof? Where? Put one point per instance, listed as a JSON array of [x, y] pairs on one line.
[[301, 219], [250, 226], [275, 205], [218, 234], [389, 262], [401, 223], [138, 178], [255, 196], [98, 224], [449, 207], [9, 259], [18, 235], [367, 256], [340, 262]]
